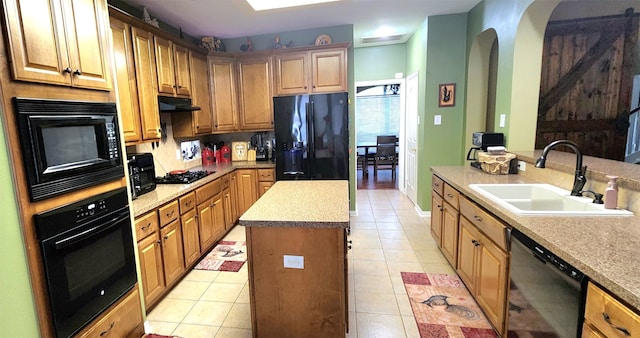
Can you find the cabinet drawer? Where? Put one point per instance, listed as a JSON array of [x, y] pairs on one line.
[[187, 202], [437, 184], [266, 175], [168, 213], [608, 315], [224, 181], [124, 320], [207, 191], [486, 223], [451, 195], [146, 225]]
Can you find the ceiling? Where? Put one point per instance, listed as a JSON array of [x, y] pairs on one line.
[[235, 18]]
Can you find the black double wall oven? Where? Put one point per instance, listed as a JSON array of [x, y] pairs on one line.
[[87, 247]]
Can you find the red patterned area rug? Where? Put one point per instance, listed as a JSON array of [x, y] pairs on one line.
[[225, 256], [443, 307]]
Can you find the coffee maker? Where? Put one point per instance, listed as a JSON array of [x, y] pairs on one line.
[[260, 144], [481, 141]]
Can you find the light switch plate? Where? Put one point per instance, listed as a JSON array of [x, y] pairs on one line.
[[437, 120], [294, 262], [503, 120]]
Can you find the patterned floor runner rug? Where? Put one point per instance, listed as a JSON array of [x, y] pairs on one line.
[[443, 307], [225, 256]]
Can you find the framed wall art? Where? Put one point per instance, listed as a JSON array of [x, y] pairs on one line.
[[447, 95]]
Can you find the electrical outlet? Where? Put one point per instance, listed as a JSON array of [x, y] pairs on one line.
[[294, 262], [522, 165]]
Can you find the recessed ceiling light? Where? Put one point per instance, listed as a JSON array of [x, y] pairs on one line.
[[261, 5]]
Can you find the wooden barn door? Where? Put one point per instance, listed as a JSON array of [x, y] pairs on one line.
[[586, 81]]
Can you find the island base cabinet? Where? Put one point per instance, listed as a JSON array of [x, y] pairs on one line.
[[293, 302]]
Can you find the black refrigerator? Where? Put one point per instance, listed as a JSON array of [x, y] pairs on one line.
[[312, 137]]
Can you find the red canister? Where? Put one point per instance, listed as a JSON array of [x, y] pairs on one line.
[[225, 154], [207, 156]]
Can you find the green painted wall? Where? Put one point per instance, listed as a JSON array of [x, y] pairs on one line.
[[17, 309], [380, 62], [438, 49]]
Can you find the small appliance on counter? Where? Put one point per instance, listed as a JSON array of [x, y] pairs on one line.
[[142, 173], [490, 156], [260, 145], [482, 141]]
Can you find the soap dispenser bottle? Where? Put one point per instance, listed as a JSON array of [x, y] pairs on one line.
[[611, 193]]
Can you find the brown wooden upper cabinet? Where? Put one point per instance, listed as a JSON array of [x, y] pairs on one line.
[[255, 94], [310, 72], [135, 70], [60, 42], [199, 122], [223, 93], [172, 61]]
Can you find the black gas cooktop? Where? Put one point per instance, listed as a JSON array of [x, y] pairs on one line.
[[182, 177]]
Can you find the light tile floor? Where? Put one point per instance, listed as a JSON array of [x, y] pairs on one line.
[[388, 237]]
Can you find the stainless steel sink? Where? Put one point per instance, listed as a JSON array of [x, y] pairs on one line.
[[544, 200]]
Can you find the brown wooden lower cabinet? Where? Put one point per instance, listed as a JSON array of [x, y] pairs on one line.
[[287, 302], [172, 254], [124, 319], [605, 316], [151, 269]]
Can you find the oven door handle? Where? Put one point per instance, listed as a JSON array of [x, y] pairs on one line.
[[96, 230]]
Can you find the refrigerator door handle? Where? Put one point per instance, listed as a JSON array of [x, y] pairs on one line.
[[311, 148]]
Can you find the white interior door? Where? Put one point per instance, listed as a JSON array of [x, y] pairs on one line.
[[411, 130]]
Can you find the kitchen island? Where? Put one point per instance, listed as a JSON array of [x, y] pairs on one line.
[[296, 249]]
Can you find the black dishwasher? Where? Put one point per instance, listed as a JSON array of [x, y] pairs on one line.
[[546, 294]]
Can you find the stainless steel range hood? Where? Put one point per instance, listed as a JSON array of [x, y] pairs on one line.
[[168, 104]]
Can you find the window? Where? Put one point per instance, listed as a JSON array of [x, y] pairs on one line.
[[377, 112]]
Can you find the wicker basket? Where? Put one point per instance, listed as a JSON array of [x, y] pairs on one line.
[[495, 164]]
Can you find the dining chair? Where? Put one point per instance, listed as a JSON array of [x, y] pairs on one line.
[[386, 156]]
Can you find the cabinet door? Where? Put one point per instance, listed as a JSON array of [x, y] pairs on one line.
[[164, 63], [329, 69], [145, 65], [182, 70], [247, 189], [491, 288], [263, 187], [205, 224], [59, 42], [86, 26], [223, 93], [233, 185], [150, 254], [125, 74], [172, 253], [255, 98], [467, 254], [38, 47], [218, 217], [450, 234], [228, 210], [436, 218], [202, 119], [190, 237], [292, 73]]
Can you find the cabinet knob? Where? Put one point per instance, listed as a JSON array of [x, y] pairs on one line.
[[67, 70], [475, 243], [159, 241], [166, 237], [77, 72]]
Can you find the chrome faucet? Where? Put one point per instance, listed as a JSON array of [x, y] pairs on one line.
[[579, 179]]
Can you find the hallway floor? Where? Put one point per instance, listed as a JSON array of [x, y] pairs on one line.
[[388, 237]]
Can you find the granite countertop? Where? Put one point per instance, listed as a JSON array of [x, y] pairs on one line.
[[167, 192], [604, 248], [310, 204]]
